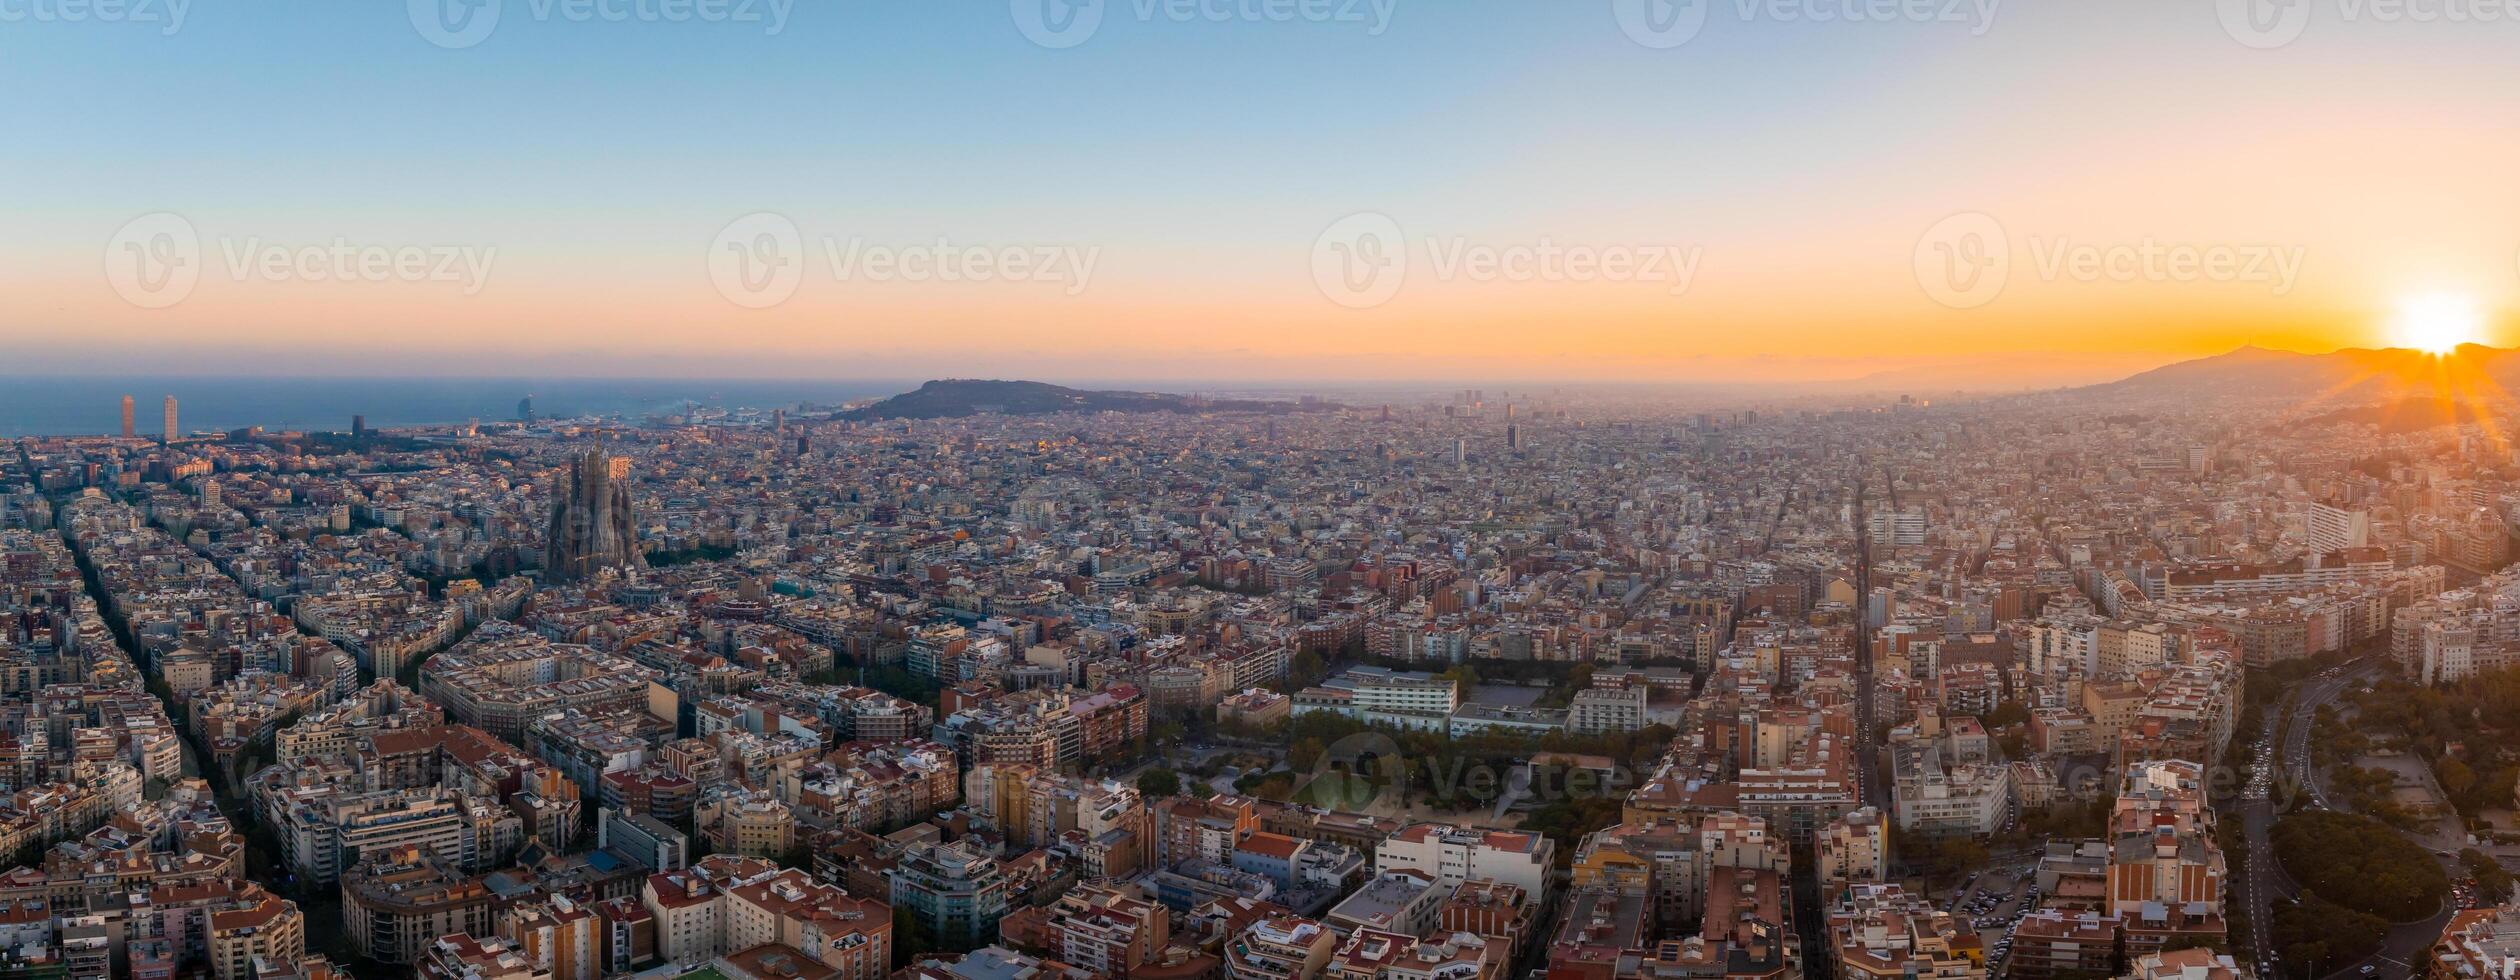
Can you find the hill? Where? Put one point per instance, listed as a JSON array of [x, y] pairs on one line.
[[2409, 382], [959, 398]]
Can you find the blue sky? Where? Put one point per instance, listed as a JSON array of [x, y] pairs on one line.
[[597, 152]]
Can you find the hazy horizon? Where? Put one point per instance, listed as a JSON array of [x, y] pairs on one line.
[[1630, 190], [1891, 375]]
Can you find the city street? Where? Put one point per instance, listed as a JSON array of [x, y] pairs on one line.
[[2301, 787]]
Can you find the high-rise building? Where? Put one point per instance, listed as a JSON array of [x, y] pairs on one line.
[[127, 430], [557, 935], [358, 426], [397, 900], [1897, 528], [1514, 438], [170, 419], [2334, 528], [2166, 872], [260, 925], [525, 408], [955, 890], [591, 526], [1853, 849]]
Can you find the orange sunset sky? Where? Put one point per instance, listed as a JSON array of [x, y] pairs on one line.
[[593, 173]]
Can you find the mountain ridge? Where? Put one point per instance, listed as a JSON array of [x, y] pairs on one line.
[[963, 397], [2348, 376]]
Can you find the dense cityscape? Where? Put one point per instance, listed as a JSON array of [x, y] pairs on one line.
[[991, 681], [1260, 490]]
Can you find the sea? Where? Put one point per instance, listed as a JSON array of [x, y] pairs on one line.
[[61, 405]]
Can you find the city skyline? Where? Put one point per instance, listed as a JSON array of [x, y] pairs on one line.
[[2038, 194], [1260, 490]]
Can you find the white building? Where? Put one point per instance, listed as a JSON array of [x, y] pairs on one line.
[[1897, 529], [1931, 797], [1401, 699], [2329, 528], [1601, 710], [1456, 854]]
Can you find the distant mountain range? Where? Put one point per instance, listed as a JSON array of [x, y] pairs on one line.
[[2396, 389], [2479, 376], [958, 398]]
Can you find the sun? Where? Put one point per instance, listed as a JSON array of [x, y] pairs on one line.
[[2437, 323]]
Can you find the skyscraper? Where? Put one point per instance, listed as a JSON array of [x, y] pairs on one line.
[[170, 420], [525, 408], [591, 527], [358, 426], [128, 430]]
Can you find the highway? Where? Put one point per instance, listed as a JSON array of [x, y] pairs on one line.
[[2266, 882], [1867, 760]]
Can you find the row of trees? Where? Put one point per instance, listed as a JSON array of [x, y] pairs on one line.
[[2357, 875], [2359, 863], [2318, 935]]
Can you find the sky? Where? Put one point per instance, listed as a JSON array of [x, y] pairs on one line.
[[1990, 192]]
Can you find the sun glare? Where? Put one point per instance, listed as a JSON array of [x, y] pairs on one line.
[[2437, 323]]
